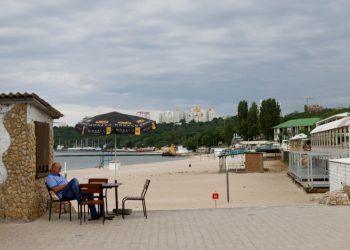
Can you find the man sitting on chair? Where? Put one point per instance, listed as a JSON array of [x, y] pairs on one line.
[[66, 190]]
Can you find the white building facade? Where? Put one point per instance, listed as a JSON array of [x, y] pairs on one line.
[[144, 114], [332, 138], [166, 117], [196, 114]]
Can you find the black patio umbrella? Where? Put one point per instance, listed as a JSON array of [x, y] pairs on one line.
[[115, 123]]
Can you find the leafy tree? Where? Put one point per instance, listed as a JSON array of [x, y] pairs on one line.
[[228, 132], [270, 115], [329, 112], [206, 140], [191, 144], [129, 144], [242, 115], [306, 109], [149, 141], [253, 121]]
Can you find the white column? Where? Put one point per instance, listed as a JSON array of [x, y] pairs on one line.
[[348, 140]]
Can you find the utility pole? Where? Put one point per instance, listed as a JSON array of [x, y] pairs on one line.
[[307, 100], [227, 181]]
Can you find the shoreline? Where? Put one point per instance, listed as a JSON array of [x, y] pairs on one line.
[[106, 153], [75, 162]]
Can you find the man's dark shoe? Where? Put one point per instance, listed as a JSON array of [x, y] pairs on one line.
[[97, 217]]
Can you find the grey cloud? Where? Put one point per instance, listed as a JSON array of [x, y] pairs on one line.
[[164, 54]]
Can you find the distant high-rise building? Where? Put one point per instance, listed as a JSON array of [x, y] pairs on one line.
[[196, 114], [212, 114], [144, 114], [189, 116], [166, 117], [179, 115], [161, 118]]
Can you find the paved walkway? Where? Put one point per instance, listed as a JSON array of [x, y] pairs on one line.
[[296, 227]]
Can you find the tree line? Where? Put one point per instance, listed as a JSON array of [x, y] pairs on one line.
[[257, 122], [251, 123], [191, 135]]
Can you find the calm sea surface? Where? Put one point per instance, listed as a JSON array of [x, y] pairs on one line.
[[86, 160]]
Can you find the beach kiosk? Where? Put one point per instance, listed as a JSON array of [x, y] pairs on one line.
[[26, 153]]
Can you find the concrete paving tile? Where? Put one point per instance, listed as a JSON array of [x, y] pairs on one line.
[[285, 227]]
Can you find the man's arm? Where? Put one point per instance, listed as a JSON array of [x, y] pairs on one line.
[[52, 183], [58, 188]]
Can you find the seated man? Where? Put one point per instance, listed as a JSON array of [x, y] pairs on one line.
[[66, 190]]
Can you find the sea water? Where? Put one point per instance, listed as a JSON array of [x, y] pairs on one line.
[[88, 160]]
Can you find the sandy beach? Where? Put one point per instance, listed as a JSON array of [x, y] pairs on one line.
[[175, 185]]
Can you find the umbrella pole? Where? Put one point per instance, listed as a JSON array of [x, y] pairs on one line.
[[115, 157]]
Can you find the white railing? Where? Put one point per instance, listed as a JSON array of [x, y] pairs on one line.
[[309, 168], [339, 173]]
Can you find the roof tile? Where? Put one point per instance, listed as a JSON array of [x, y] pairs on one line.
[[6, 97]]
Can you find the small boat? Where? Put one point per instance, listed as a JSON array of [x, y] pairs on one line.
[[268, 148], [175, 151], [181, 150], [220, 151]]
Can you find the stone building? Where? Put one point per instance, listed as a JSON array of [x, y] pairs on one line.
[[26, 152], [314, 108]]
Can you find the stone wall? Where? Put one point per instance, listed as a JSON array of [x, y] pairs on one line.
[[22, 196], [335, 198]]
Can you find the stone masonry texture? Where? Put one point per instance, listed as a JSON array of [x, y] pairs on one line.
[[22, 196]]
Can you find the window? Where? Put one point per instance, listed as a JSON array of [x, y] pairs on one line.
[[42, 135]]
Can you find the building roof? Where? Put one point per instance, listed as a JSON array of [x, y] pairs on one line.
[[345, 122], [333, 118], [298, 123], [11, 98]]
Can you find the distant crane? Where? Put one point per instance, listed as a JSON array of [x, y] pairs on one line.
[[307, 100]]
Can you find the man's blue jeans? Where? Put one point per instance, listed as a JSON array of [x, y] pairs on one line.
[[72, 192]]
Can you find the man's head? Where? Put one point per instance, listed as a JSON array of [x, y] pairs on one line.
[[56, 167]]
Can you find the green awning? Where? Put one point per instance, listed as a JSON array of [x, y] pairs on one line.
[[298, 123]]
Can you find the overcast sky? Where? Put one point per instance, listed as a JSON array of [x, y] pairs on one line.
[[90, 57]]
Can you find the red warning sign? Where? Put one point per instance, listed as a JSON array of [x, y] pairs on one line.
[[215, 196]]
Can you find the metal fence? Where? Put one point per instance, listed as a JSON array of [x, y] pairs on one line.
[[309, 168]]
